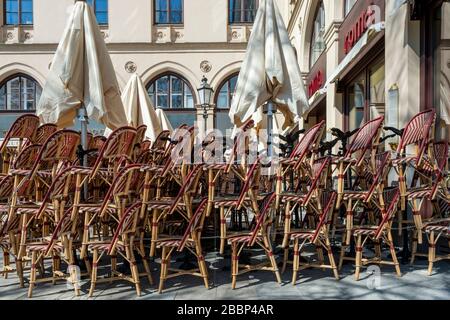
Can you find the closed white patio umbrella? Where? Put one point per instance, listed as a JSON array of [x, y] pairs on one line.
[[269, 73], [82, 78], [139, 109], [163, 120]]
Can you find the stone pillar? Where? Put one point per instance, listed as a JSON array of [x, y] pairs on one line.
[[402, 60]]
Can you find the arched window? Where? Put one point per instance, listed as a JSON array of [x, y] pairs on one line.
[[19, 93], [171, 91], [317, 41], [101, 10], [18, 12], [226, 92]]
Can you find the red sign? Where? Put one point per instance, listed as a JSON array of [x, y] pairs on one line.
[[316, 83], [362, 24]]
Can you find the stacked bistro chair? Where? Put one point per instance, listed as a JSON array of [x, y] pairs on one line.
[[30, 186], [23, 129], [259, 236], [435, 190], [116, 227], [291, 169], [316, 234], [308, 199], [378, 233], [352, 167], [190, 240]]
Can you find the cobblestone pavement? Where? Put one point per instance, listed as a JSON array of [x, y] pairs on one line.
[[312, 284]]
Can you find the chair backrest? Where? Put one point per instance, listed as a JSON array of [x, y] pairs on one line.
[[140, 134], [161, 141], [381, 170], [195, 223], [64, 225], [43, 132], [266, 205], [365, 138], [23, 128], [419, 130], [440, 155], [327, 202], [127, 225], [118, 146], [391, 197], [27, 157], [238, 140], [249, 180], [60, 147], [319, 169], [97, 142], [309, 141], [129, 178]]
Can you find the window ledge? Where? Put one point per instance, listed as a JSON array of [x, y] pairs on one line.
[[239, 32], [14, 34], [171, 33]]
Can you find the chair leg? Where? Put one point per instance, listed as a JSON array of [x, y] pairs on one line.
[[414, 248], [6, 263], [332, 262], [285, 259], [147, 270], [320, 257], [393, 254], [296, 262], [342, 254], [164, 267], [234, 265], [19, 269], [32, 274], [94, 272], [272, 259], [431, 253], [358, 257], [222, 229]]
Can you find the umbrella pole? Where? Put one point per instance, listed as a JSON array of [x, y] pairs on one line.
[[269, 129], [82, 117]]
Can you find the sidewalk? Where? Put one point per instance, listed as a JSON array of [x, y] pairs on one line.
[[312, 284]]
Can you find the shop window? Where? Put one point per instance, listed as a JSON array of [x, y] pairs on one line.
[[348, 5], [19, 93], [317, 40], [365, 95]]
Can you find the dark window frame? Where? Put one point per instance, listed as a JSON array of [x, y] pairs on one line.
[[316, 14], [226, 81], [14, 76], [94, 7], [168, 15], [242, 11], [169, 93], [19, 14]]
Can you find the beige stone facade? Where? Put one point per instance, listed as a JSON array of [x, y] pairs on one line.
[[204, 44]]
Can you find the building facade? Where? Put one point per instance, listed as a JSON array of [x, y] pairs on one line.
[[171, 44], [362, 59], [359, 58]]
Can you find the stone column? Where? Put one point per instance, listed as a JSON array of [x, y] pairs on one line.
[[201, 120]]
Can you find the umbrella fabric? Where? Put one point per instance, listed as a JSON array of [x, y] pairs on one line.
[[139, 109], [270, 71], [163, 120], [81, 71]]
